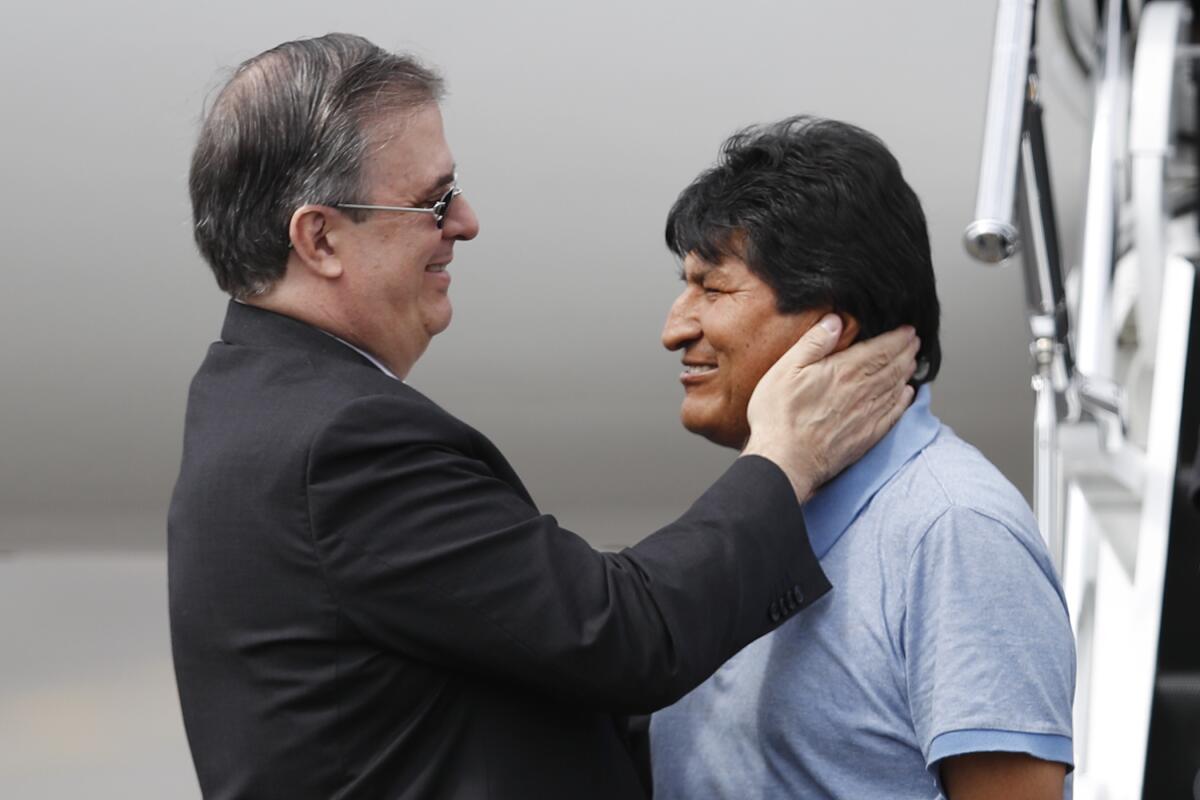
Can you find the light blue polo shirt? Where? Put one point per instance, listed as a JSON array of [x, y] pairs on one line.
[[946, 633]]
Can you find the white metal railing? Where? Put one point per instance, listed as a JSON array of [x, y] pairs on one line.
[[1107, 415]]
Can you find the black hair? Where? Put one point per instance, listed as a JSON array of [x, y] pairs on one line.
[[819, 210]]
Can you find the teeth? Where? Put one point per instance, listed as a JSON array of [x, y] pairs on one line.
[[436, 268], [697, 369]]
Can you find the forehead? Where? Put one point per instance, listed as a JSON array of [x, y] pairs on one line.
[[407, 151]]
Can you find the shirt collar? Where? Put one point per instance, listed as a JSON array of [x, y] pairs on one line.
[[250, 324], [365, 355], [835, 505]]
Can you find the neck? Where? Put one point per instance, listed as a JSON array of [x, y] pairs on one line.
[[321, 312]]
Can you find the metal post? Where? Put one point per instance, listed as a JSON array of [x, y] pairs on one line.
[[1046, 300], [992, 237]]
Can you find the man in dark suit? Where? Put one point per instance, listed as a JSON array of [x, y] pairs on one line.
[[365, 601]]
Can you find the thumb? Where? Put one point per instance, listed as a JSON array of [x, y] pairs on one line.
[[816, 343]]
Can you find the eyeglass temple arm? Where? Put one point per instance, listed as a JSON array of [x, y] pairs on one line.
[[366, 207]]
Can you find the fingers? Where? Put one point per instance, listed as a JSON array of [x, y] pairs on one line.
[[891, 394], [882, 363], [814, 419], [815, 344], [876, 378], [906, 366], [893, 343], [900, 401], [877, 353], [873, 372], [868, 423]]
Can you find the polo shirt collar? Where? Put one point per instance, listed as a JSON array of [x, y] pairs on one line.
[[835, 505]]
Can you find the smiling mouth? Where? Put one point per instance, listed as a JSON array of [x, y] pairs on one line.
[[695, 374]]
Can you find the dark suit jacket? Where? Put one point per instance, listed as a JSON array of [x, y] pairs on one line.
[[365, 601]]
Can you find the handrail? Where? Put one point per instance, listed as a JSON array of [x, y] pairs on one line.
[[992, 236]]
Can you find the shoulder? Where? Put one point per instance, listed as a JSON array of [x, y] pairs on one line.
[[951, 486], [394, 418], [303, 395], [968, 480], [988, 650]]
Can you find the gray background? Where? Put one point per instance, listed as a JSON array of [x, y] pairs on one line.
[[574, 127]]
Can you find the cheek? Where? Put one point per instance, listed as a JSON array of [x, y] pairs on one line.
[[748, 365]]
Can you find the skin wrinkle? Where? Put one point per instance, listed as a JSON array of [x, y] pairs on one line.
[[793, 199], [370, 282], [287, 131], [729, 318], [818, 212]]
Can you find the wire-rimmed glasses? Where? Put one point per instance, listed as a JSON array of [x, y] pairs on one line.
[[439, 209]]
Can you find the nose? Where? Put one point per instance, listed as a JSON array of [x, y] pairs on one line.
[[460, 223], [682, 325]]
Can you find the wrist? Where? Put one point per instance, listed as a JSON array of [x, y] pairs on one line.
[[802, 483]]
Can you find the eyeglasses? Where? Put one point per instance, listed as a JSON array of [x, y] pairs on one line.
[[439, 209]]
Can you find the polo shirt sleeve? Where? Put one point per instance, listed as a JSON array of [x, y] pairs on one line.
[[988, 651]]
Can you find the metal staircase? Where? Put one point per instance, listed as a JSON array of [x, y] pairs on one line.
[[1116, 352]]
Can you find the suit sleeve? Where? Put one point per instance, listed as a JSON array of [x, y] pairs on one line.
[[430, 554]]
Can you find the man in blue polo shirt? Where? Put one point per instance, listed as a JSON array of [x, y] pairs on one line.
[[942, 663]]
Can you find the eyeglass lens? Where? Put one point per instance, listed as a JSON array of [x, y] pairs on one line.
[[444, 206]]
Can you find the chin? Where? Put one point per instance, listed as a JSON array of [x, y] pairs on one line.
[[720, 432], [439, 321]]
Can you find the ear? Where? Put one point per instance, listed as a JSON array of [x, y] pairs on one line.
[[850, 331], [312, 244]]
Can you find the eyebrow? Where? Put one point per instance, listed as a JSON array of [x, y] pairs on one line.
[[700, 273], [448, 178]]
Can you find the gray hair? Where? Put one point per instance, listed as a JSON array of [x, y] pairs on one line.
[[289, 128]]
